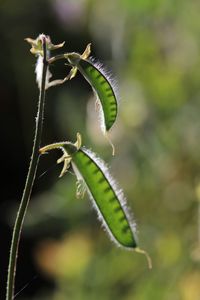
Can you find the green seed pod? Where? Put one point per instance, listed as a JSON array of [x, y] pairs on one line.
[[106, 197], [109, 201], [101, 83], [105, 91]]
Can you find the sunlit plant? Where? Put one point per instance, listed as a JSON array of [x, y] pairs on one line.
[[91, 172]]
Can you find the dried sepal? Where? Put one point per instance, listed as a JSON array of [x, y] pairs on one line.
[[87, 52], [36, 44], [80, 188], [37, 49], [66, 157]]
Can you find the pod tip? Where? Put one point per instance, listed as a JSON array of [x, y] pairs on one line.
[[141, 251], [110, 142]]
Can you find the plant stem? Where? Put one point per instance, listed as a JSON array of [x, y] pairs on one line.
[[57, 57], [29, 182]]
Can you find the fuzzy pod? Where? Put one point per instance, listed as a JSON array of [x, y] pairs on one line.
[[104, 89], [108, 200], [102, 85]]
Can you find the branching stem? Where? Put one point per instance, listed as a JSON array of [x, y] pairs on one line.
[[29, 182]]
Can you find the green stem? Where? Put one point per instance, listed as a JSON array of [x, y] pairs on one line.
[[29, 182], [57, 57]]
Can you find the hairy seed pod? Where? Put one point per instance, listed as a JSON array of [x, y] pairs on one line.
[[106, 197], [109, 201], [101, 84], [104, 89]]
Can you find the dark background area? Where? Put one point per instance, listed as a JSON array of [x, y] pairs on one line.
[[152, 48]]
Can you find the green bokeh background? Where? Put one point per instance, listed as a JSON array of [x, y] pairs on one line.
[[152, 48]]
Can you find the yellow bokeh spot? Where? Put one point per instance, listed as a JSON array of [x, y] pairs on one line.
[[198, 192], [190, 286], [65, 258], [169, 249]]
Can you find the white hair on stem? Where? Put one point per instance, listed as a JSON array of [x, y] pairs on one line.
[[38, 71]]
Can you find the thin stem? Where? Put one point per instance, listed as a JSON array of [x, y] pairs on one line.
[[57, 57], [29, 182]]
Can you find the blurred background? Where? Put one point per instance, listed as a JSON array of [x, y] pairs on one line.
[[152, 49]]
